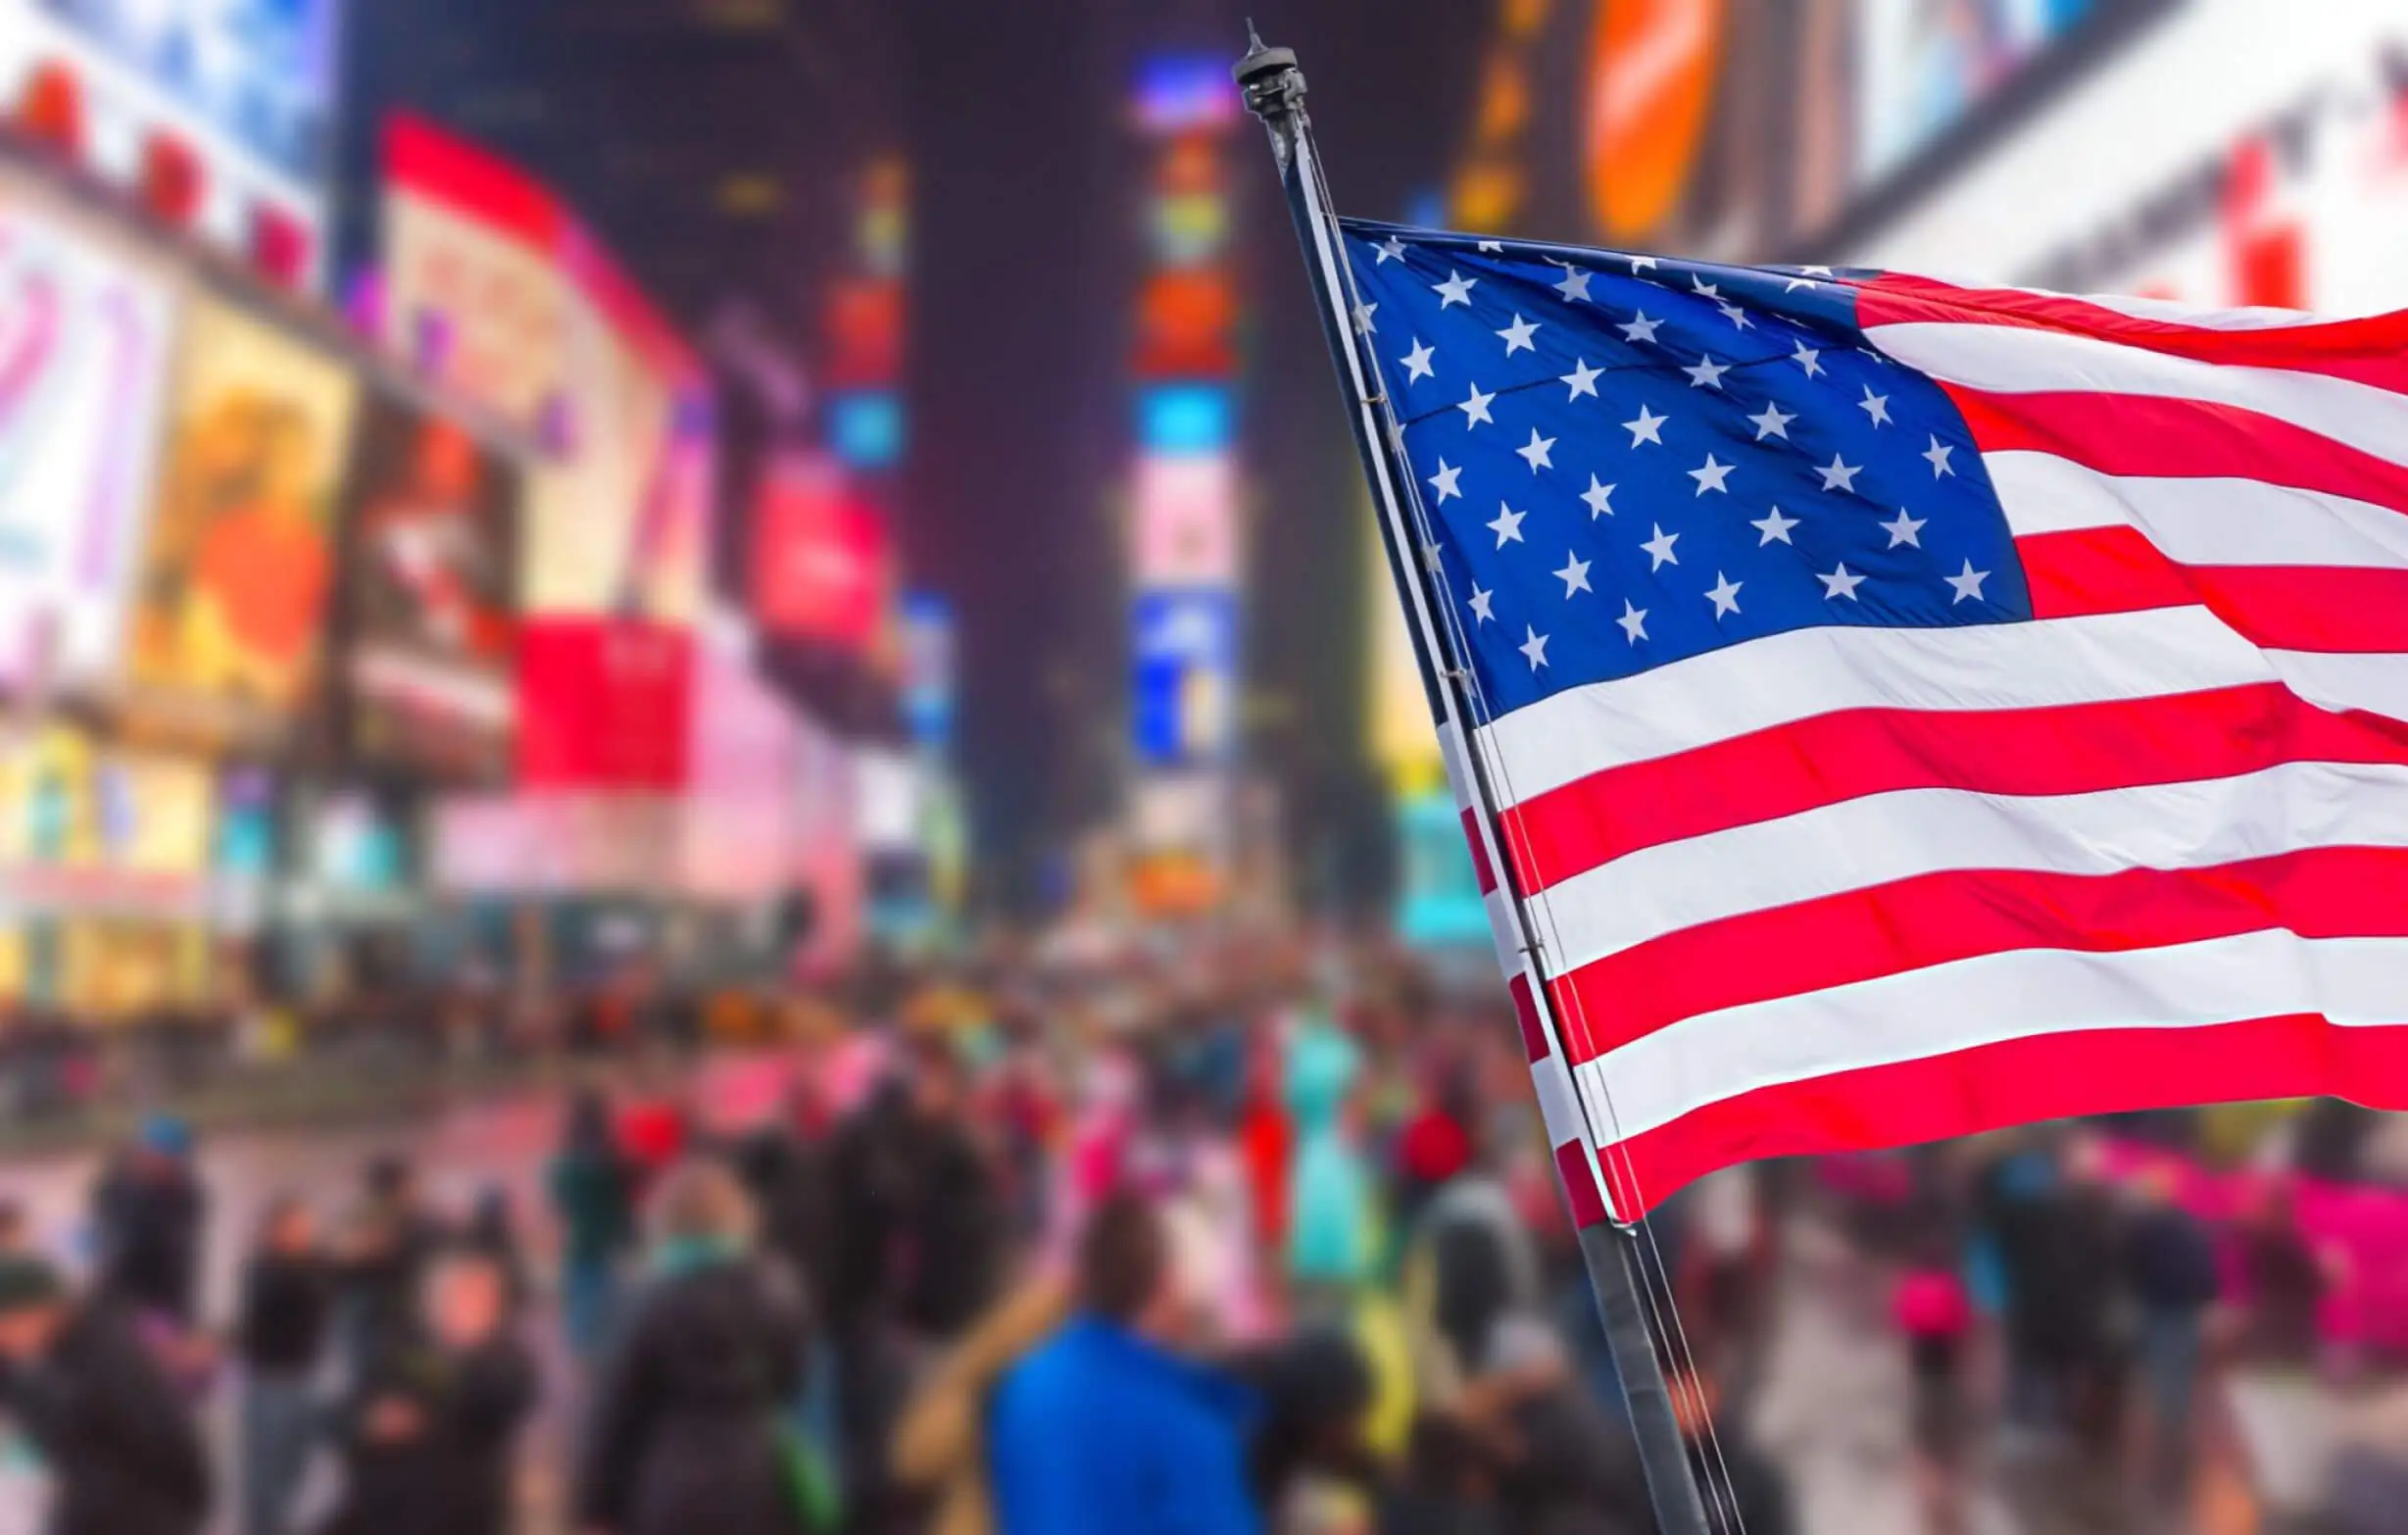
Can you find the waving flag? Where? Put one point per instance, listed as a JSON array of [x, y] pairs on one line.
[[1910, 709]]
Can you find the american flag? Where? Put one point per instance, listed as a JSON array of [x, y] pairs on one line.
[[1913, 708]]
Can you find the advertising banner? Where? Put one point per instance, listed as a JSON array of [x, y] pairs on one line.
[[604, 703], [929, 666], [1186, 524], [475, 293], [1184, 656], [432, 530], [238, 97], [2233, 156], [84, 337], [229, 614], [821, 554]]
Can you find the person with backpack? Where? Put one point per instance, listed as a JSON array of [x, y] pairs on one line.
[[690, 1430]]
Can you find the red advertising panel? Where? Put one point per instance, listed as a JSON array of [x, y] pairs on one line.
[[819, 554], [1184, 322], [604, 703]]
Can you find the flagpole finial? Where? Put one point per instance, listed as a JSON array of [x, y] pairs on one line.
[[1268, 75]]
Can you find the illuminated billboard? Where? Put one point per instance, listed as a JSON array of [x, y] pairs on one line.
[[221, 113], [1179, 93], [229, 612], [1184, 417], [1184, 521], [432, 582], [85, 337], [820, 556], [1183, 653]]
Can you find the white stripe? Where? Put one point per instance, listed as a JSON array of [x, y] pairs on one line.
[[1996, 997], [1558, 1102], [2258, 317], [1883, 837], [1784, 678], [2207, 521], [2375, 683], [2019, 360]]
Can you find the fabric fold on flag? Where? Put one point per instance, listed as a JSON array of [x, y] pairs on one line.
[[1916, 709]]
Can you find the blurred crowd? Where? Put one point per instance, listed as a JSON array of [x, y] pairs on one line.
[[1252, 1241]]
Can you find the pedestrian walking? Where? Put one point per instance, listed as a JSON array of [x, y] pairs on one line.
[[428, 1431], [592, 1188], [2169, 1265], [119, 1446], [149, 1218], [689, 1432], [280, 1339]]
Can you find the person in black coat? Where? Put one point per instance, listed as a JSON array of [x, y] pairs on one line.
[[148, 1219], [280, 1336], [123, 1451], [428, 1431], [688, 1432]]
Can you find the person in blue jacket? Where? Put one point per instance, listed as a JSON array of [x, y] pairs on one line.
[[1105, 1427]]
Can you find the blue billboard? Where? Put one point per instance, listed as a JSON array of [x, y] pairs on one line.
[[1183, 657]]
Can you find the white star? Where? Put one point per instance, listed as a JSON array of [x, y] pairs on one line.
[[1838, 475], [1600, 499], [1774, 526], [1735, 314], [1638, 262], [1659, 548], [1534, 452], [1483, 604], [1417, 361], [1476, 409], [1362, 319], [1518, 337], [1816, 271], [1774, 422], [1583, 380], [1456, 290], [1494, 247], [1725, 595], [1534, 645], [1968, 584], [1707, 375], [1575, 285], [1795, 283], [1876, 406], [1840, 583], [1444, 479], [1646, 427], [1703, 289], [1904, 529], [1710, 474], [1809, 359], [1508, 525], [1394, 249], [1936, 454], [1574, 575], [1641, 328], [1634, 622]]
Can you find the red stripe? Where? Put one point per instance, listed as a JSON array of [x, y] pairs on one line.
[[1526, 1013], [1579, 1188], [2066, 749], [2369, 351], [2047, 1076], [1481, 868], [2182, 440], [2291, 607], [1907, 924]]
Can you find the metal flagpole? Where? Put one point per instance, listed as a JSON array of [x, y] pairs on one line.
[[1274, 90]]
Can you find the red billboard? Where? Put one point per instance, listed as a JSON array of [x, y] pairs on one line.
[[604, 703], [821, 554]]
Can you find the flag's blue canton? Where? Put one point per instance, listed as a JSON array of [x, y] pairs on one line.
[[1631, 461]]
